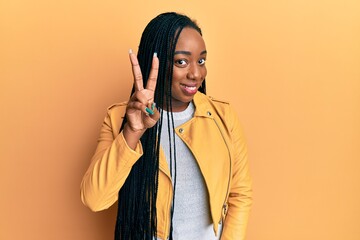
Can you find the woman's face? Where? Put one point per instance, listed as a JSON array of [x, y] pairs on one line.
[[189, 68]]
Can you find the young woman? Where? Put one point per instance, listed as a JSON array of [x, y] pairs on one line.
[[173, 157]]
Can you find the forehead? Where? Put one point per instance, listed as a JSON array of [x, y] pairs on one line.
[[191, 40]]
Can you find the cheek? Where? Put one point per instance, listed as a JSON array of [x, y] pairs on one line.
[[203, 72], [178, 74]]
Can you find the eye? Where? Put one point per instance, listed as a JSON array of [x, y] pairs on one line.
[[180, 62], [202, 61]]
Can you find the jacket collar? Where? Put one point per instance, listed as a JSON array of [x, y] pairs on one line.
[[203, 108]]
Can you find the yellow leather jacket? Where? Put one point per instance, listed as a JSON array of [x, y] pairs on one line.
[[216, 140]]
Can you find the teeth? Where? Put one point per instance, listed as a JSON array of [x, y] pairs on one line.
[[190, 88]]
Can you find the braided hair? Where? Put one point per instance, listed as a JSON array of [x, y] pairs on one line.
[[136, 216]]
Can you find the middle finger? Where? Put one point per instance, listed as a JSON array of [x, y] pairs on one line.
[[151, 83]]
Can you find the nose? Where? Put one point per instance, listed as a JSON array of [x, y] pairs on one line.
[[194, 72]]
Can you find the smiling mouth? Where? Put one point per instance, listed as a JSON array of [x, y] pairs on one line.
[[189, 90]]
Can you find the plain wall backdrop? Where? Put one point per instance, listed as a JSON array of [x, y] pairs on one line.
[[290, 68]]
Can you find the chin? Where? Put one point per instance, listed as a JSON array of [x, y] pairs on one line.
[[182, 101]]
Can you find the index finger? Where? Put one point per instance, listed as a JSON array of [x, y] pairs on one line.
[[151, 83], [138, 80]]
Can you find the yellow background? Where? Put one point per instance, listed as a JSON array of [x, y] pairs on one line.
[[290, 68]]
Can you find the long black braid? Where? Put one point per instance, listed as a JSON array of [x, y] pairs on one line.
[[136, 218]]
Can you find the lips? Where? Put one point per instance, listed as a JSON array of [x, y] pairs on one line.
[[189, 89]]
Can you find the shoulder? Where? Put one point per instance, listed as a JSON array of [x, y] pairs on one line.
[[117, 107], [218, 101], [220, 107], [202, 98], [223, 107], [116, 111], [114, 116], [229, 116]]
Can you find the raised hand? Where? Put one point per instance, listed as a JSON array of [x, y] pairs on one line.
[[141, 112]]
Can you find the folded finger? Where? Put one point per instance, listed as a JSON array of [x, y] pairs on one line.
[[138, 106], [156, 114]]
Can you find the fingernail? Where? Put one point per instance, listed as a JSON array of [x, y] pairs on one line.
[[155, 54], [149, 111], [153, 106], [130, 51]]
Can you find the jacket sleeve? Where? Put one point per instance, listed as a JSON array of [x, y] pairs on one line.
[[240, 195], [109, 168]]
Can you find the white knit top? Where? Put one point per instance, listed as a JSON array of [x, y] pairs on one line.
[[192, 217]]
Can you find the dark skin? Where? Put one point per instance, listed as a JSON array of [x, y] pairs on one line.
[[138, 118], [189, 68], [188, 74]]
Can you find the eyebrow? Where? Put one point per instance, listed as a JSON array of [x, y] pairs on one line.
[[188, 53]]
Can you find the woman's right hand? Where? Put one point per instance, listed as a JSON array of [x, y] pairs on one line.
[[141, 112]]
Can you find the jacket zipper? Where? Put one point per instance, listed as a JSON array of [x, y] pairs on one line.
[[224, 208]]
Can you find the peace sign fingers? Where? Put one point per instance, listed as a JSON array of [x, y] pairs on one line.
[[138, 79], [141, 111]]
